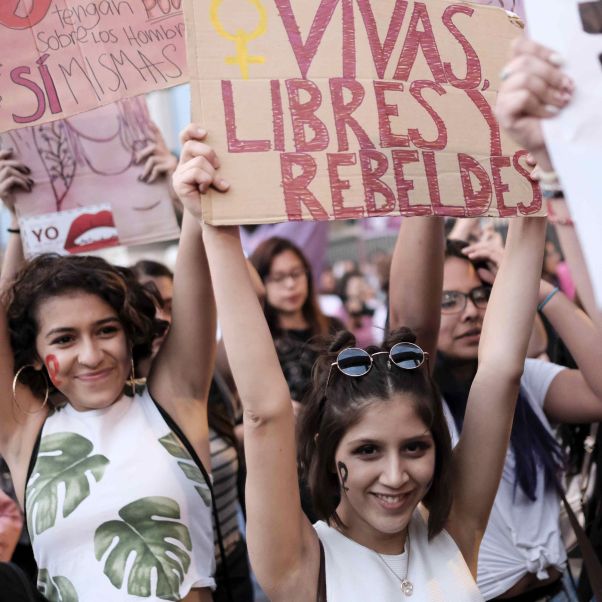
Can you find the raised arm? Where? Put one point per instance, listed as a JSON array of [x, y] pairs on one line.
[[16, 426], [181, 374], [417, 279], [282, 544], [479, 456]]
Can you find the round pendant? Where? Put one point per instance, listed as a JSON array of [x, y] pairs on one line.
[[407, 588]]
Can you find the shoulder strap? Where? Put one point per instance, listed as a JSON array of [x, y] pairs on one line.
[[592, 564], [322, 576]]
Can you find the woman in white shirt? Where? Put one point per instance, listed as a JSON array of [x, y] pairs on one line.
[[373, 438]]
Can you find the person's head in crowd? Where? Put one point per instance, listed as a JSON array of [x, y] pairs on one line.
[[355, 293], [289, 286], [80, 325], [352, 429], [328, 283], [463, 305], [551, 259], [149, 271]]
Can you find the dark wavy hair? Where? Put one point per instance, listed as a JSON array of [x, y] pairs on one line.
[[262, 259], [51, 275], [328, 415], [533, 445]]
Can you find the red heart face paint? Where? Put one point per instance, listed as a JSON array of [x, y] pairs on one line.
[[52, 365]]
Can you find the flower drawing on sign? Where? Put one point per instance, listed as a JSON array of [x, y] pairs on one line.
[[63, 147]]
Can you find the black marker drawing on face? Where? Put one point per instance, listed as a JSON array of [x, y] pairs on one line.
[[344, 474]]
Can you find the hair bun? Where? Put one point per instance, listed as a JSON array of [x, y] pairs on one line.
[[400, 335], [341, 340]]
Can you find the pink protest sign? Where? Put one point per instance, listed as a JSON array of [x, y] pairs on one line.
[[87, 195], [62, 57]]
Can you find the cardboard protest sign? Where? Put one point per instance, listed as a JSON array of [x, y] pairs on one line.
[[87, 195], [574, 137], [334, 109], [62, 57]]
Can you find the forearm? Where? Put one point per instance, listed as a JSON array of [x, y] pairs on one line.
[[191, 338], [509, 317], [247, 338], [417, 278], [13, 260], [581, 336], [571, 249]]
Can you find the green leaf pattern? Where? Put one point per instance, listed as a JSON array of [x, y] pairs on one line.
[[62, 458], [175, 448], [151, 529], [56, 589]]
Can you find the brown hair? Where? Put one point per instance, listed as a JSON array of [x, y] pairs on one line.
[[262, 259], [328, 415], [52, 275]]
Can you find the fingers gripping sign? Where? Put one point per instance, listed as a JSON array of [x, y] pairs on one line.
[[197, 170], [533, 87]]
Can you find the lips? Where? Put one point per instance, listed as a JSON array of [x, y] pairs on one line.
[[94, 376], [392, 502], [92, 231], [475, 332]]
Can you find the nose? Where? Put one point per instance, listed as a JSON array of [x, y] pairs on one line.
[[394, 473], [471, 311], [90, 353]]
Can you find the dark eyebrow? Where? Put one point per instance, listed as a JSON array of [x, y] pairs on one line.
[[67, 329], [366, 441]]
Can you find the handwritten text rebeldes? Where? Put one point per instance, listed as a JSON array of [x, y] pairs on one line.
[[365, 154]]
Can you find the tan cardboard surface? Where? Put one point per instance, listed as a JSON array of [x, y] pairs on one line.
[[333, 109]]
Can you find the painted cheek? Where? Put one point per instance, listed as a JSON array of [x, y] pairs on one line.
[[52, 365]]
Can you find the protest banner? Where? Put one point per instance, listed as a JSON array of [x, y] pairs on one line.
[[336, 109], [61, 58], [574, 137], [87, 195]]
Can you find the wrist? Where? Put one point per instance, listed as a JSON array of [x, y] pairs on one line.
[[548, 298], [545, 288]]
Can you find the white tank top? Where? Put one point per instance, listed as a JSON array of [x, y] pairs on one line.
[[437, 569], [117, 509]]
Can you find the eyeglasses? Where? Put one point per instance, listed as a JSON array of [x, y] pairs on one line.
[[355, 362], [454, 302], [280, 277]]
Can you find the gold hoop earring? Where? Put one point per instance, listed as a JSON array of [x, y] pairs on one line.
[[16, 380], [132, 381]]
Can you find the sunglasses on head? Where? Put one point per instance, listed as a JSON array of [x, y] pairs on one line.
[[355, 362]]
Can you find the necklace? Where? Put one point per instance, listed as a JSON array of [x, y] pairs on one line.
[[406, 585]]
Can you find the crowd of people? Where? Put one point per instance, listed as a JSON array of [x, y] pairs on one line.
[[371, 432]]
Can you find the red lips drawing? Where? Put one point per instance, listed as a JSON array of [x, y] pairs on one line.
[[92, 231]]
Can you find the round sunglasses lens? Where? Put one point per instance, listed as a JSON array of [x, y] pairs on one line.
[[407, 355], [354, 362]]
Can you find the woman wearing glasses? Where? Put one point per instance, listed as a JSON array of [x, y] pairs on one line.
[[522, 553], [291, 309], [400, 514]]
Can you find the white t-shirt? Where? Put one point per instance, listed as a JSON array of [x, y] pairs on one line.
[[436, 568], [522, 536], [117, 509]]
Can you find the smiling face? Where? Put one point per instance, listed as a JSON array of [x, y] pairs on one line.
[[286, 283], [386, 463], [84, 347], [460, 333]]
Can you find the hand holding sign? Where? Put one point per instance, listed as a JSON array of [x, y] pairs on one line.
[[197, 170], [534, 87]]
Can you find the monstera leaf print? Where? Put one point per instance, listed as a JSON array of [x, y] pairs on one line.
[[56, 589], [174, 447], [62, 458], [150, 528]]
